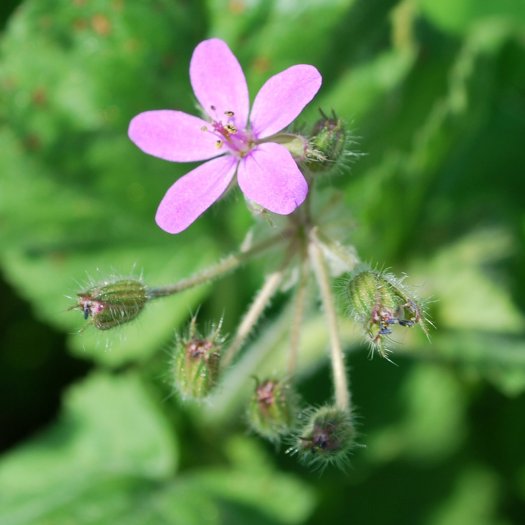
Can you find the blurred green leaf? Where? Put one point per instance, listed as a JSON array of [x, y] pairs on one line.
[[464, 279], [110, 459], [94, 446], [461, 15], [253, 482], [432, 427], [473, 500]]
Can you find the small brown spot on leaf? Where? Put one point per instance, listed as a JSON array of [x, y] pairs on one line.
[[101, 25], [39, 97], [261, 64]]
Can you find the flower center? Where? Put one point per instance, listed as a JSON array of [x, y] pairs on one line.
[[238, 141]]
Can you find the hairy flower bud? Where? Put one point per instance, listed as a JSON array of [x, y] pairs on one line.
[[380, 301], [328, 144], [327, 437], [112, 303], [195, 362], [271, 408]]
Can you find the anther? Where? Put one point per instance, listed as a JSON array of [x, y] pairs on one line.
[[218, 144], [229, 113]]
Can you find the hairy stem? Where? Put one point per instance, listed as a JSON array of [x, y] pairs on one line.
[[252, 316], [342, 393], [298, 312], [230, 263]]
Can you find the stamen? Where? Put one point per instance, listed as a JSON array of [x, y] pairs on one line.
[[204, 128], [229, 114], [230, 128], [219, 144]]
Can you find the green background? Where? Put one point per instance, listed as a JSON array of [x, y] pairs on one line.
[[434, 92]]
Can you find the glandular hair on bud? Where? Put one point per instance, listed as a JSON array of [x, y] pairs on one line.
[[327, 148], [113, 302], [271, 410], [195, 362], [327, 437], [380, 301]]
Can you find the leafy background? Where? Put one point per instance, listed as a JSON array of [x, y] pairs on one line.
[[435, 91]]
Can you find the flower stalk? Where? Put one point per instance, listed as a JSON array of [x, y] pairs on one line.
[[341, 391], [252, 316], [297, 317], [216, 271]]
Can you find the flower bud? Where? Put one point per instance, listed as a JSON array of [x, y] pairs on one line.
[[271, 409], [380, 301], [328, 144], [113, 303], [195, 362], [327, 437]]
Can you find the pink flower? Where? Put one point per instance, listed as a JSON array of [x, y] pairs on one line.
[[236, 140]]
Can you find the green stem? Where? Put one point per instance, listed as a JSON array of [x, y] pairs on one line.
[[342, 393], [252, 316], [230, 263], [298, 312]]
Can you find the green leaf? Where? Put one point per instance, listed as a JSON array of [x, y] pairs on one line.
[[479, 326], [496, 357], [252, 483], [460, 15], [111, 457], [110, 436], [432, 426], [464, 279], [473, 500]]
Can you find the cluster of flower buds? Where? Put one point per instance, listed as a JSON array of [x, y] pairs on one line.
[[311, 250]]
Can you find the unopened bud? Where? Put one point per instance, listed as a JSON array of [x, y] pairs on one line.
[[113, 303], [271, 409], [327, 437], [195, 362], [327, 147], [380, 301]]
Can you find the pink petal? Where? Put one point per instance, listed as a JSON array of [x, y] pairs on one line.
[[194, 193], [218, 81], [270, 177], [282, 98], [173, 135]]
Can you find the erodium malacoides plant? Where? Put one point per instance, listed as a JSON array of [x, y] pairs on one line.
[[277, 170]]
